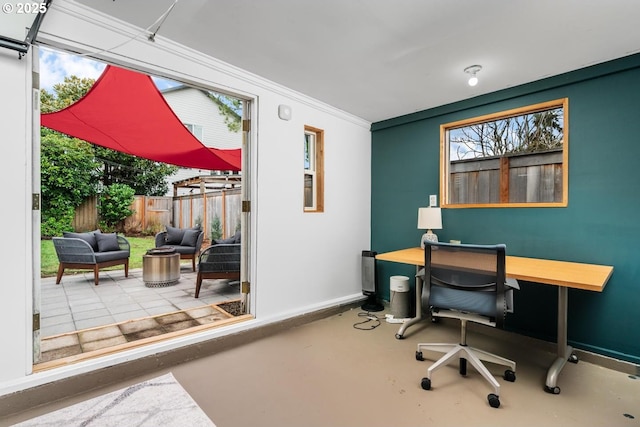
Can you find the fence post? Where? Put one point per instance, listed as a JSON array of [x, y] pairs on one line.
[[504, 179], [224, 214]]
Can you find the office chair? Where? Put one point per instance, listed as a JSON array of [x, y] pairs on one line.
[[467, 282]]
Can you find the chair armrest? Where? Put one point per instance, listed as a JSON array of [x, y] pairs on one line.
[[73, 250], [199, 242], [124, 244], [161, 239], [221, 248]]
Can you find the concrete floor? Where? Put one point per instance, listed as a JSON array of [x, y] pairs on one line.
[[330, 373]]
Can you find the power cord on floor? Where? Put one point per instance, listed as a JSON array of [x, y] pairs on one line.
[[370, 317]]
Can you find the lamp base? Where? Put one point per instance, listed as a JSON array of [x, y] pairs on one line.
[[428, 236]]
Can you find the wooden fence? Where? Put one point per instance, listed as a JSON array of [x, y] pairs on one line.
[[527, 178], [203, 209], [86, 216], [153, 213]]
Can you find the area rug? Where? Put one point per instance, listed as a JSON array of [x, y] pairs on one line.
[[158, 402]]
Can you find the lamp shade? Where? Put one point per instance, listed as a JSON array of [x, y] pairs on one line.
[[429, 219]]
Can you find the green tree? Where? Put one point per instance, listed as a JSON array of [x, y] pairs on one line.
[[68, 176], [230, 108], [146, 177], [64, 94], [115, 206], [526, 133]]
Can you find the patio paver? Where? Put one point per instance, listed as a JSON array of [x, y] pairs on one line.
[[76, 303]]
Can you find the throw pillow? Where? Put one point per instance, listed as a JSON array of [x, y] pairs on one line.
[[190, 238], [229, 240], [89, 237], [107, 242], [174, 235]]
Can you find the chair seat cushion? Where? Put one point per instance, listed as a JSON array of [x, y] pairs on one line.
[[111, 256], [185, 250]]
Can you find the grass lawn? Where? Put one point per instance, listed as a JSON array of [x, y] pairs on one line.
[[49, 260]]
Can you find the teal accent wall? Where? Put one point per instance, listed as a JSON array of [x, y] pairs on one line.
[[600, 225]]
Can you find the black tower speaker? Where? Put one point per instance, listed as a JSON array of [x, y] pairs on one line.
[[370, 282]]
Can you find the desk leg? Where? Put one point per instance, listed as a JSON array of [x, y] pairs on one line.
[[418, 317], [564, 351]]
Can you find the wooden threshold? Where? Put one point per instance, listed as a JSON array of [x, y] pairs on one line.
[[65, 361]]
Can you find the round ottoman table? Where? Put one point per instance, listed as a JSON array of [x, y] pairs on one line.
[[161, 267]]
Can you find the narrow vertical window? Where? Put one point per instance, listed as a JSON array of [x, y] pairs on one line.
[[313, 169], [196, 130]]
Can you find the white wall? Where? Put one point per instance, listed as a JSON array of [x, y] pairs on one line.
[[300, 261], [194, 107]]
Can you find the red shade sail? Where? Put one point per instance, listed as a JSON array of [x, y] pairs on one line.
[[125, 111]]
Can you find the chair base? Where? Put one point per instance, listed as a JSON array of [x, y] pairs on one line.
[[192, 257], [95, 267], [231, 275], [473, 355]]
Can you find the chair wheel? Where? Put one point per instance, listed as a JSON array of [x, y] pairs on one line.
[[494, 400], [573, 358], [425, 384], [399, 337], [463, 366], [509, 375], [552, 390], [419, 356]]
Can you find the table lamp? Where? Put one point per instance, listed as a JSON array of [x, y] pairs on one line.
[[429, 219]]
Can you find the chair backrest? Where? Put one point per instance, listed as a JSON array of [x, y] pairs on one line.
[[467, 278]]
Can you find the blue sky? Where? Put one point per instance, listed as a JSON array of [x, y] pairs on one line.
[[56, 65]]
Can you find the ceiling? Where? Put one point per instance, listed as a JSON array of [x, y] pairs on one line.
[[379, 59]]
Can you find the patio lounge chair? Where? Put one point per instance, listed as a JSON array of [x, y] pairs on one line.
[[219, 261], [91, 251], [186, 241]]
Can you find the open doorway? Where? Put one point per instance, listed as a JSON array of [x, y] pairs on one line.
[[215, 119]]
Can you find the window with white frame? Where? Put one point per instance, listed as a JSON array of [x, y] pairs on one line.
[[313, 169], [196, 130]]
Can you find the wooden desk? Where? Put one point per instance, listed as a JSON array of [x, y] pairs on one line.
[[562, 274]]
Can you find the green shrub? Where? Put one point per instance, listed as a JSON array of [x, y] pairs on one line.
[[216, 228], [115, 206], [54, 224]]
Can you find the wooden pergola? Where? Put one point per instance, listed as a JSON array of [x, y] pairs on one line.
[[208, 182]]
